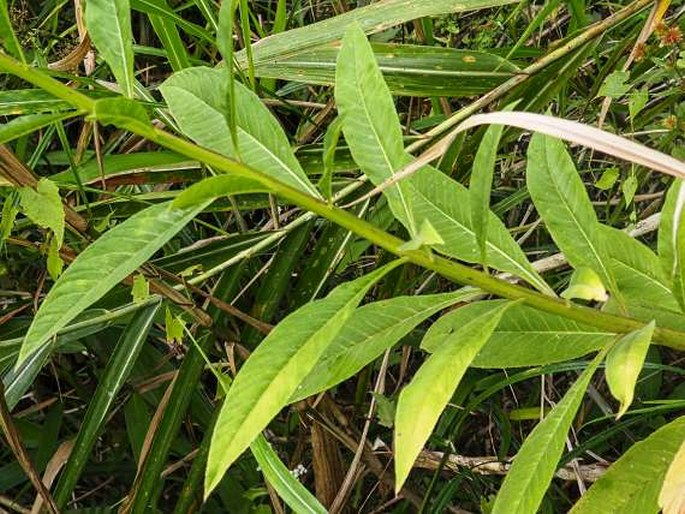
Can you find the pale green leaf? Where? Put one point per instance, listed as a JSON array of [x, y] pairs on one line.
[[423, 400], [373, 133], [624, 363], [370, 121], [536, 461], [274, 370], [43, 206], [141, 288], [637, 101], [672, 494], [101, 266], [679, 261], [585, 285], [29, 123], [123, 113], [527, 337], [426, 237], [369, 332], [631, 484], [54, 262], [608, 178], [614, 85], [481, 185], [216, 187], [560, 197], [109, 27], [668, 226], [175, 328], [198, 100], [8, 39]]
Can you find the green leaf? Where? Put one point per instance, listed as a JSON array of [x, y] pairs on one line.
[[528, 337], [43, 206], [629, 188], [423, 400], [608, 178], [101, 266], [409, 70], [376, 17], [116, 373], [668, 226], [8, 39], [638, 272], [54, 263], [560, 198], [426, 237], [330, 144], [141, 289], [624, 363], [198, 101], [369, 332], [614, 85], [373, 133], [370, 122], [672, 494], [679, 261], [272, 373], [637, 101], [24, 125], [169, 37], [175, 328], [585, 285], [481, 185], [109, 27], [216, 187], [631, 484], [536, 461], [123, 113]]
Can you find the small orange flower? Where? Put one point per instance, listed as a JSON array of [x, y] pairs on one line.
[[671, 37]]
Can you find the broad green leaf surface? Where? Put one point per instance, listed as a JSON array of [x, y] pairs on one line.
[[624, 363], [638, 271], [370, 121], [423, 400], [372, 18], [109, 27], [123, 113], [215, 187], [563, 203], [529, 337], [481, 185], [535, 463], [374, 135], [410, 70], [679, 262], [672, 495], [43, 206], [631, 485], [271, 375], [369, 332], [101, 266], [198, 100], [24, 125]]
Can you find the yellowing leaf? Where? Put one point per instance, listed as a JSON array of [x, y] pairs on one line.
[[624, 363], [427, 236], [43, 206], [672, 495], [585, 285]]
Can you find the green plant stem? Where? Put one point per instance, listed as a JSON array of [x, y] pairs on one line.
[[591, 33], [449, 269]]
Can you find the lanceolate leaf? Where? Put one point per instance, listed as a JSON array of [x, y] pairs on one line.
[[624, 363], [372, 329], [535, 463], [668, 226], [423, 400], [373, 132], [372, 18], [679, 261], [101, 266], [109, 26], [631, 485], [272, 373], [198, 100], [215, 187], [8, 39], [370, 122], [563, 204], [29, 123], [672, 495], [527, 337]]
